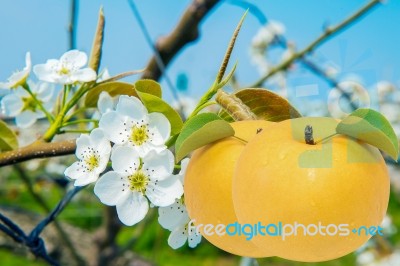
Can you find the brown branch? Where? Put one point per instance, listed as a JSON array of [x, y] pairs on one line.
[[186, 31], [38, 150]]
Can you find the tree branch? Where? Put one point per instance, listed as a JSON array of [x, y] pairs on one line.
[[328, 33], [186, 31], [38, 150], [42, 202]]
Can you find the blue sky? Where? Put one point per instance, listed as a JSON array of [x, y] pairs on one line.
[[370, 48]]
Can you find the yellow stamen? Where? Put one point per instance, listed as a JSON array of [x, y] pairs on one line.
[[138, 182], [139, 135]]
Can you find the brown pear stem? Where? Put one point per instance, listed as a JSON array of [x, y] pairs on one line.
[[308, 135]]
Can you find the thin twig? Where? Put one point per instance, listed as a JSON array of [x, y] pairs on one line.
[[158, 58], [56, 211], [38, 198], [328, 33], [12, 226], [121, 76], [281, 41], [331, 81], [72, 24], [10, 233], [33, 240]]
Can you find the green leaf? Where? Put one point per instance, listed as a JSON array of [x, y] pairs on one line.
[[148, 86], [113, 88], [8, 138], [371, 127], [199, 131], [156, 104], [265, 105]]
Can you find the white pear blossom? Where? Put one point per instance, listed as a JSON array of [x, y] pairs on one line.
[[182, 172], [186, 105], [357, 93], [384, 88], [18, 78], [22, 106], [106, 103], [93, 152], [176, 219], [67, 70], [181, 234], [136, 180], [267, 34], [131, 125], [175, 215], [104, 75], [373, 258]]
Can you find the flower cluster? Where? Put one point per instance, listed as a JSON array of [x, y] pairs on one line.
[[23, 107], [176, 219], [27, 101], [140, 174], [266, 37]]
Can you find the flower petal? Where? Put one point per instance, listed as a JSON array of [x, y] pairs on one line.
[[125, 160], [25, 119], [83, 75], [82, 145], [182, 172], [113, 125], [74, 58], [44, 91], [105, 102], [11, 105], [144, 149], [98, 139], [5, 85], [22, 93], [91, 177], [173, 215], [110, 188], [178, 237], [28, 62], [160, 127], [193, 238], [46, 72], [158, 165], [104, 159], [104, 75], [164, 192], [75, 171], [132, 107], [132, 208]]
